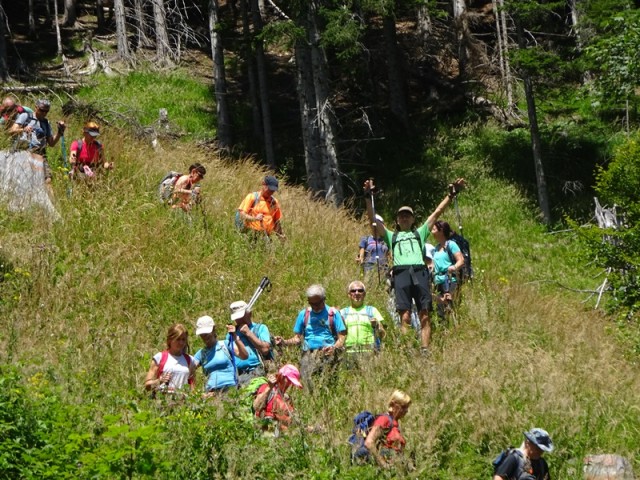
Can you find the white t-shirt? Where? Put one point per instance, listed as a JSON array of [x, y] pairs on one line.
[[178, 367]]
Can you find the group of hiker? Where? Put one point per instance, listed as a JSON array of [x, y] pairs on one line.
[[31, 131]]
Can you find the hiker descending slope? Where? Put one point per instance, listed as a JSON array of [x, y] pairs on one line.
[[170, 370], [185, 191], [218, 357], [364, 322], [373, 255], [256, 339], [383, 439], [447, 262], [260, 211], [272, 403], [321, 333], [34, 133], [10, 110], [526, 462], [410, 276], [87, 154]]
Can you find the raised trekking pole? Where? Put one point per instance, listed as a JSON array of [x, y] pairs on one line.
[[265, 284], [65, 163], [375, 229]]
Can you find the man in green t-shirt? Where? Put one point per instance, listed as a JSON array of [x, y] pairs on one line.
[[364, 322], [410, 276]]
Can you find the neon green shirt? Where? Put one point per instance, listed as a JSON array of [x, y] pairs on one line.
[[360, 333], [407, 251]]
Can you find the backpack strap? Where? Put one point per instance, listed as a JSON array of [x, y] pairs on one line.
[[232, 356], [394, 241], [187, 359], [163, 362], [332, 315]]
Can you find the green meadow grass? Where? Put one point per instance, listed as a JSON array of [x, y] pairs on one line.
[[86, 302]]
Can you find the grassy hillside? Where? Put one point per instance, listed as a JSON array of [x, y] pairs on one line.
[[86, 302]]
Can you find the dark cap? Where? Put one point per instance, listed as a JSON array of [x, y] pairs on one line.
[[271, 182], [405, 209]]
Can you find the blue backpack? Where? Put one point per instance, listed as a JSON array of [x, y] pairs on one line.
[[362, 424]]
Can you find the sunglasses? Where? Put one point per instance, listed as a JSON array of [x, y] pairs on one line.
[[356, 290]]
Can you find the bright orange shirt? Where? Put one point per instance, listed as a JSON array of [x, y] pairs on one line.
[[270, 209]]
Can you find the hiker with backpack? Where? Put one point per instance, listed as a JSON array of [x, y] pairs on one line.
[[373, 254], [272, 403], [9, 111], [260, 212], [86, 155], [379, 437], [170, 370], [218, 357], [185, 191], [363, 322], [447, 263], [526, 462], [257, 341], [321, 332], [410, 275], [34, 133]]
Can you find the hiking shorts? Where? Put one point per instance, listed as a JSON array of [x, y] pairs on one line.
[[412, 283]]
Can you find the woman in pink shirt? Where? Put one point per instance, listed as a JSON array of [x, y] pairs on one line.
[[87, 154]]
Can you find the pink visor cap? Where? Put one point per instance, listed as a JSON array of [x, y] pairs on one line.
[[292, 374]]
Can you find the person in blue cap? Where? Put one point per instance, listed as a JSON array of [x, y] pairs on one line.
[[526, 462]]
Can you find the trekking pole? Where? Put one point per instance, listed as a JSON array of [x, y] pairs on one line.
[[65, 163], [455, 204], [265, 284], [375, 230]]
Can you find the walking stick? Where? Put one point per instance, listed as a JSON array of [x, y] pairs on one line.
[[455, 204], [65, 163], [375, 231]]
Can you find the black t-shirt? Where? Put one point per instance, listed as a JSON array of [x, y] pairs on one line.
[[516, 467]]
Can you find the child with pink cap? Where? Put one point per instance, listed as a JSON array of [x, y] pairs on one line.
[[272, 402]]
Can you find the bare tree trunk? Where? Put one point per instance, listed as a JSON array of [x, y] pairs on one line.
[[57, 23], [219, 78], [461, 25], [32, 21], [69, 13], [395, 70], [256, 118], [4, 66], [543, 196], [100, 14], [575, 22], [163, 50], [121, 30], [424, 25], [503, 49], [328, 171], [142, 24], [263, 87]]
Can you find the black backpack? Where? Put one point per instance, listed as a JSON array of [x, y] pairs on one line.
[[394, 241], [521, 473], [466, 272]]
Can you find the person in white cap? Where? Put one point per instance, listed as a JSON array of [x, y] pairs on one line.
[[217, 358], [86, 155], [256, 339], [526, 462], [373, 254], [410, 276]]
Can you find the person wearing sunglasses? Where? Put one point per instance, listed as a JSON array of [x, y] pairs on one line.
[[35, 134], [364, 322]]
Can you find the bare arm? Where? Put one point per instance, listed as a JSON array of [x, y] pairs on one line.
[[262, 346], [368, 188], [295, 340], [459, 262], [371, 443], [442, 206], [151, 381], [342, 336]]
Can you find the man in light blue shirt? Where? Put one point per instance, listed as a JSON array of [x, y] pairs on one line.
[[321, 332], [257, 341]]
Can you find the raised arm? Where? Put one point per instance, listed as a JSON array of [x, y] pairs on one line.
[[454, 188], [369, 187]]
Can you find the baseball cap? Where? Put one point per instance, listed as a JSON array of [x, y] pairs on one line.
[[292, 374], [204, 325], [405, 209], [238, 309], [540, 438], [271, 182]]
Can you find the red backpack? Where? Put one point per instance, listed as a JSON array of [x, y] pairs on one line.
[[163, 361]]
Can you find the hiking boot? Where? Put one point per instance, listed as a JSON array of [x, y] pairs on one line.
[[425, 352]]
